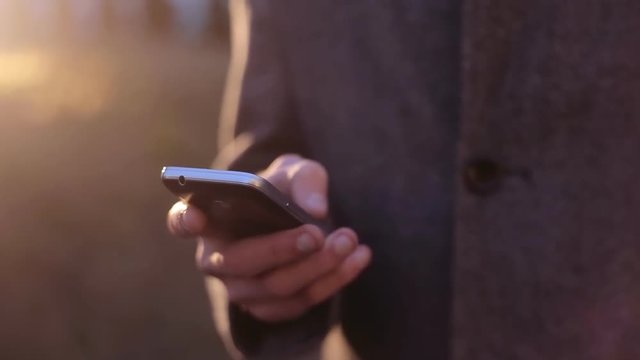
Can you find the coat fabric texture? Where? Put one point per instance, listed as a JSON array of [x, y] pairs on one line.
[[488, 151]]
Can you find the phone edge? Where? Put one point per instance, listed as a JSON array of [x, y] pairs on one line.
[[173, 173]]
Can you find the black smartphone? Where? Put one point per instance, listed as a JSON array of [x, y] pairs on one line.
[[238, 204]]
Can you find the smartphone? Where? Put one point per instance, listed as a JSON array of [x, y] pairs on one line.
[[238, 204]]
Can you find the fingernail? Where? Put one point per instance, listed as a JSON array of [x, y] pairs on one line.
[[305, 243], [360, 256], [316, 201], [343, 245]]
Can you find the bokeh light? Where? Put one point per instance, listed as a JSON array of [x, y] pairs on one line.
[[95, 97]]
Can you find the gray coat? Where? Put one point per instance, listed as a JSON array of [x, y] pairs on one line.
[[487, 150]]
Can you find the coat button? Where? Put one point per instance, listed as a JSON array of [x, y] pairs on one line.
[[483, 177]]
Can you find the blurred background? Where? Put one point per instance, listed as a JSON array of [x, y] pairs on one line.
[[95, 97]]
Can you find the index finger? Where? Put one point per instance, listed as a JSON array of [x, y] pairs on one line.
[[304, 180], [253, 256]]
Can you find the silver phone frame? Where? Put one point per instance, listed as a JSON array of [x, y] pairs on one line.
[[175, 173]]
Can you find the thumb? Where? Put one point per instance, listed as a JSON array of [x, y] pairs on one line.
[[308, 184], [185, 221]]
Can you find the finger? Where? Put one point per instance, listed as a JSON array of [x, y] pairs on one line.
[[276, 173], [306, 181], [285, 160], [242, 290], [329, 285], [253, 256], [333, 282], [308, 187], [289, 280], [185, 221], [204, 253]]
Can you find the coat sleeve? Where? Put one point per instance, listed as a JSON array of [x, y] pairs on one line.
[[258, 123], [258, 119]]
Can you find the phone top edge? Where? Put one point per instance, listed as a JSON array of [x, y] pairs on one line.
[[202, 174], [174, 173]]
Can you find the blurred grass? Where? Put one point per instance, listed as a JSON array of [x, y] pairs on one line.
[[87, 269]]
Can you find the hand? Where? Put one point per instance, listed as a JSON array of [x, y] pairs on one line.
[[279, 276]]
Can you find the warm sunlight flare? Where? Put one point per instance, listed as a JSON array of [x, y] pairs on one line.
[[95, 97], [44, 85], [60, 59], [22, 70]]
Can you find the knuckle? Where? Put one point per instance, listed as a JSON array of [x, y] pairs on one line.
[[287, 158], [284, 161], [311, 167], [305, 169]]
